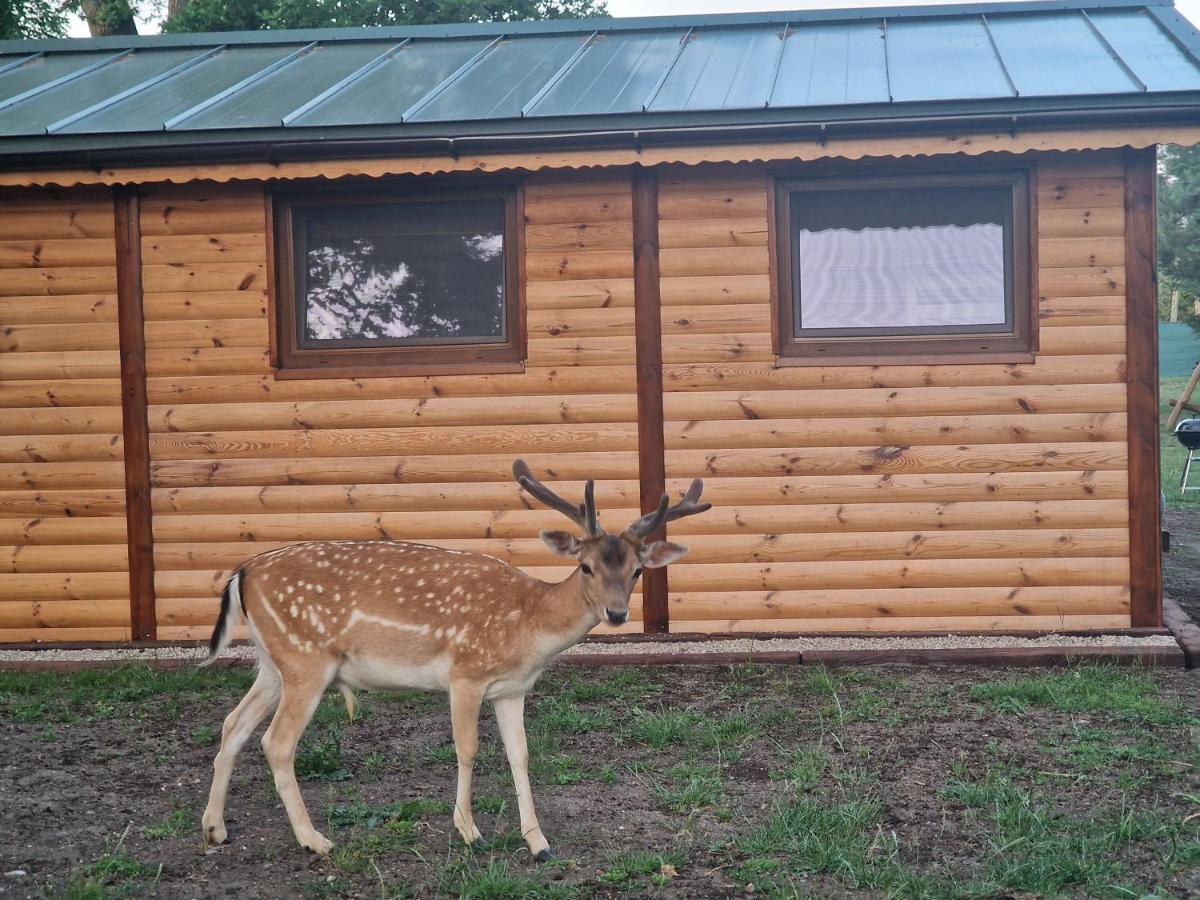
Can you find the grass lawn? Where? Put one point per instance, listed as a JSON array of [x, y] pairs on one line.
[[684, 782], [1173, 453]]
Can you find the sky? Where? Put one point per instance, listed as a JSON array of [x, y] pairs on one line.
[[623, 8]]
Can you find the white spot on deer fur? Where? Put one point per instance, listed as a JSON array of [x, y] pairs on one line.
[[294, 612], [420, 582], [438, 633], [291, 589], [319, 589], [514, 614]]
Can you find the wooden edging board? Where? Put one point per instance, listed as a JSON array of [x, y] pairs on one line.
[[1167, 656], [1185, 631]]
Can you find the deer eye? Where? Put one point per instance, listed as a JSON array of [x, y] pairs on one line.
[[587, 570], [637, 573]]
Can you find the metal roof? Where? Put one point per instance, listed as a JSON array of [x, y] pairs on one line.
[[587, 76]]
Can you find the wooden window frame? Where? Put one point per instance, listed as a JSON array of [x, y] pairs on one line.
[[449, 358], [937, 345]]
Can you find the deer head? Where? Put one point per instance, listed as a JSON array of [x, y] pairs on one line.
[[610, 565]]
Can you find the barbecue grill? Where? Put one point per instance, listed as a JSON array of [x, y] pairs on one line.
[[1187, 433]]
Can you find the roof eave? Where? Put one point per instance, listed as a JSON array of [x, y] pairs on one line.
[[281, 145]]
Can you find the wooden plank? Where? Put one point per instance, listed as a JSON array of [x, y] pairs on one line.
[[909, 573], [339, 442], [749, 232], [50, 369], [52, 253], [384, 469], [648, 332], [1081, 251], [542, 265], [1145, 527], [46, 530], [205, 276], [1082, 281], [902, 430], [1184, 630], [201, 216], [58, 310], [599, 293], [584, 207], [190, 333], [438, 411], [56, 222], [1049, 370], [535, 381], [906, 602], [63, 338], [61, 420], [53, 282], [906, 624], [61, 476], [715, 261], [76, 557], [1091, 222], [127, 216], [169, 249], [1139, 656], [900, 487], [180, 305], [724, 290], [70, 504], [979, 458], [915, 401], [1068, 191], [1068, 312], [578, 235]]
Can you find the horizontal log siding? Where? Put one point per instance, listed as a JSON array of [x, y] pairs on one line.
[[63, 562], [894, 497], [242, 462]]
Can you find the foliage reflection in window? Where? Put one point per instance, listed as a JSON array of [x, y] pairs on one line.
[[405, 273]]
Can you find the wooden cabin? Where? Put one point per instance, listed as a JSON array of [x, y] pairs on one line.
[[885, 279]]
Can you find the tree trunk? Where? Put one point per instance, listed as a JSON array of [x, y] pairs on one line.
[[1175, 305], [106, 17], [175, 7]]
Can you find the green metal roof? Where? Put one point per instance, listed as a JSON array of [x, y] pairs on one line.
[[596, 79]]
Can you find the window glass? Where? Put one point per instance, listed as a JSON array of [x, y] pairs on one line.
[[400, 274], [895, 261]]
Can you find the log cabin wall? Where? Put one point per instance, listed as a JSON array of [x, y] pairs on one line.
[[896, 497], [892, 497], [242, 462], [63, 558]]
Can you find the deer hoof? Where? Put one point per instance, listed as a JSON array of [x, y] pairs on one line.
[[543, 855], [214, 833], [318, 844]]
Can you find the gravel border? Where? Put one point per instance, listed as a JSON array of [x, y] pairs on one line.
[[742, 646]]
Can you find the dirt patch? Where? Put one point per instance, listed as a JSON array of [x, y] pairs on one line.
[[679, 781], [1182, 563]]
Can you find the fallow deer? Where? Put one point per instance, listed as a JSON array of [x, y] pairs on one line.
[[392, 615]]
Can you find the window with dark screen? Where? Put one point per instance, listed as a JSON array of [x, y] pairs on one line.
[[904, 266], [398, 281]]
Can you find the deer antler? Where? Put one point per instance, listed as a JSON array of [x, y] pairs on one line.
[[584, 514], [688, 506]]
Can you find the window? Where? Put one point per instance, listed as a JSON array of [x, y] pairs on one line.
[[905, 267], [395, 283]]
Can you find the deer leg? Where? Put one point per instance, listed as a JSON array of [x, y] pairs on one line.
[[465, 700], [301, 694], [239, 725], [510, 716]]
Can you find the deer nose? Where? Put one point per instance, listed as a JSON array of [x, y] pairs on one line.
[[616, 618]]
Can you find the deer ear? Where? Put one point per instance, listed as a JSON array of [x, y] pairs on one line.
[[661, 553], [562, 542]]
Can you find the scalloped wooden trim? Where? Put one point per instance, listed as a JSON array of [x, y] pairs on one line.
[[775, 151]]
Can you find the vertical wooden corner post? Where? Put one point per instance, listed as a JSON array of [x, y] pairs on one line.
[[1141, 375], [131, 329], [647, 312]]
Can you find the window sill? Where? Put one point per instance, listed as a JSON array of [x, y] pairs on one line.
[[401, 370], [932, 358]]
